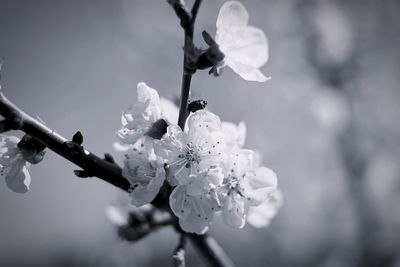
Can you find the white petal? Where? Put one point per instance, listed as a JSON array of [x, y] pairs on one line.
[[127, 136], [169, 110], [203, 182], [259, 184], [234, 211], [247, 72], [121, 147], [232, 14], [202, 210], [204, 120], [135, 115], [149, 95], [212, 148], [192, 225], [238, 161], [171, 144], [145, 146], [145, 193], [260, 216], [247, 45], [132, 161], [178, 174], [179, 202], [20, 179], [197, 185], [214, 176]]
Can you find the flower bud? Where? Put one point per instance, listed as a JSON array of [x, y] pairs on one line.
[[197, 105]]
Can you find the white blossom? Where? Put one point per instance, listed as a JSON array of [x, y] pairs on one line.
[[245, 47], [139, 118], [245, 185], [200, 148], [13, 165], [144, 171]]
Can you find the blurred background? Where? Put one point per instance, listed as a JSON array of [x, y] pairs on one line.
[[327, 123]]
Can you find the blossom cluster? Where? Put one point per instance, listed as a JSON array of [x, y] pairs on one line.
[[205, 165], [204, 168]]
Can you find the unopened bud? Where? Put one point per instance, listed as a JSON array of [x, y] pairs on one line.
[[197, 105], [158, 129], [78, 138]]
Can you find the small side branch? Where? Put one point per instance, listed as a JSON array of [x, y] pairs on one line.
[[103, 169], [195, 9]]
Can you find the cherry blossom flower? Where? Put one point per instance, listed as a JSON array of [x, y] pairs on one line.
[[245, 47], [200, 148], [13, 165], [144, 171], [139, 118], [260, 216], [245, 185], [196, 202]]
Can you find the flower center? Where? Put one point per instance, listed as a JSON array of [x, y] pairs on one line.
[[191, 155], [233, 186]]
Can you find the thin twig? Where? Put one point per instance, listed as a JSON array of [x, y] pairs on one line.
[[187, 72], [185, 93], [181, 12], [195, 10]]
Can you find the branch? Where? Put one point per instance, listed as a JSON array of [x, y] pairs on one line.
[[181, 11], [97, 166], [185, 93], [188, 20], [103, 169]]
